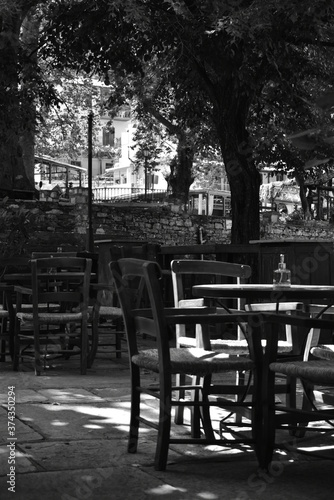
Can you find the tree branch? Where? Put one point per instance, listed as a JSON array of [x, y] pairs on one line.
[[173, 129]]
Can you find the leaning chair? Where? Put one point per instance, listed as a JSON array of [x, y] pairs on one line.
[[58, 318], [168, 361]]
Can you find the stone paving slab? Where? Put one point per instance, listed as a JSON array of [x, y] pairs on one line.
[[112, 483], [74, 421], [23, 464], [23, 396], [114, 375], [81, 454], [183, 481], [70, 395], [119, 393], [23, 431]]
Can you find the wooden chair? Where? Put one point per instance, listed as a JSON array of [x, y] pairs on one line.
[[107, 322], [168, 361], [315, 342], [212, 272], [61, 285], [107, 315], [106, 319], [94, 298], [312, 372], [219, 272], [7, 319]]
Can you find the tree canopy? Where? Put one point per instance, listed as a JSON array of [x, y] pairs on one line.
[[247, 68]]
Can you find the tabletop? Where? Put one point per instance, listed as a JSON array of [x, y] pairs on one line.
[[265, 291]]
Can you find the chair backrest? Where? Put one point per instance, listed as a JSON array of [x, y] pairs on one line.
[[213, 271], [45, 255], [126, 273], [61, 280], [129, 250]]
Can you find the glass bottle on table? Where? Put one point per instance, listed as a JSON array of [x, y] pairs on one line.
[[282, 275]]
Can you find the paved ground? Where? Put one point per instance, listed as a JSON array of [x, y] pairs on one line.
[[71, 437]]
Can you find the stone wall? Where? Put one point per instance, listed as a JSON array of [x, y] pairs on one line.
[[307, 230], [27, 226]]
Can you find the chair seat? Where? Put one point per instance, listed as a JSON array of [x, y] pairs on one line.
[[193, 361], [236, 347], [272, 306], [54, 318], [110, 312], [323, 351], [317, 371]]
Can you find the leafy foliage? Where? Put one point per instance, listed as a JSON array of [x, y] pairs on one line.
[[247, 71]]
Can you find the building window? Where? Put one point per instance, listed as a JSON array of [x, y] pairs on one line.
[[279, 176], [76, 163], [108, 136]]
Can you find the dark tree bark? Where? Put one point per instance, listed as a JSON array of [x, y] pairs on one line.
[[12, 170], [30, 31], [182, 177], [237, 152]]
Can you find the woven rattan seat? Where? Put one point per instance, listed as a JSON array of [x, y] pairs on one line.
[[193, 361], [315, 371], [323, 351]]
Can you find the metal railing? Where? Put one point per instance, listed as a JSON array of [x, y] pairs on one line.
[[119, 194]]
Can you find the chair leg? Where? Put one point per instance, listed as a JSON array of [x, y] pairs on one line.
[[95, 340], [179, 410], [240, 378], [205, 409], [84, 348], [3, 350], [135, 410], [194, 410], [263, 419], [161, 453], [308, 397], [3, 329], [118, 339], [16, 352]]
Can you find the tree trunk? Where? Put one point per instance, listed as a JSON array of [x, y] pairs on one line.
[[29, 40], [302, 195], [244, 182], [182, 176], [12, 173], [243, 177]]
